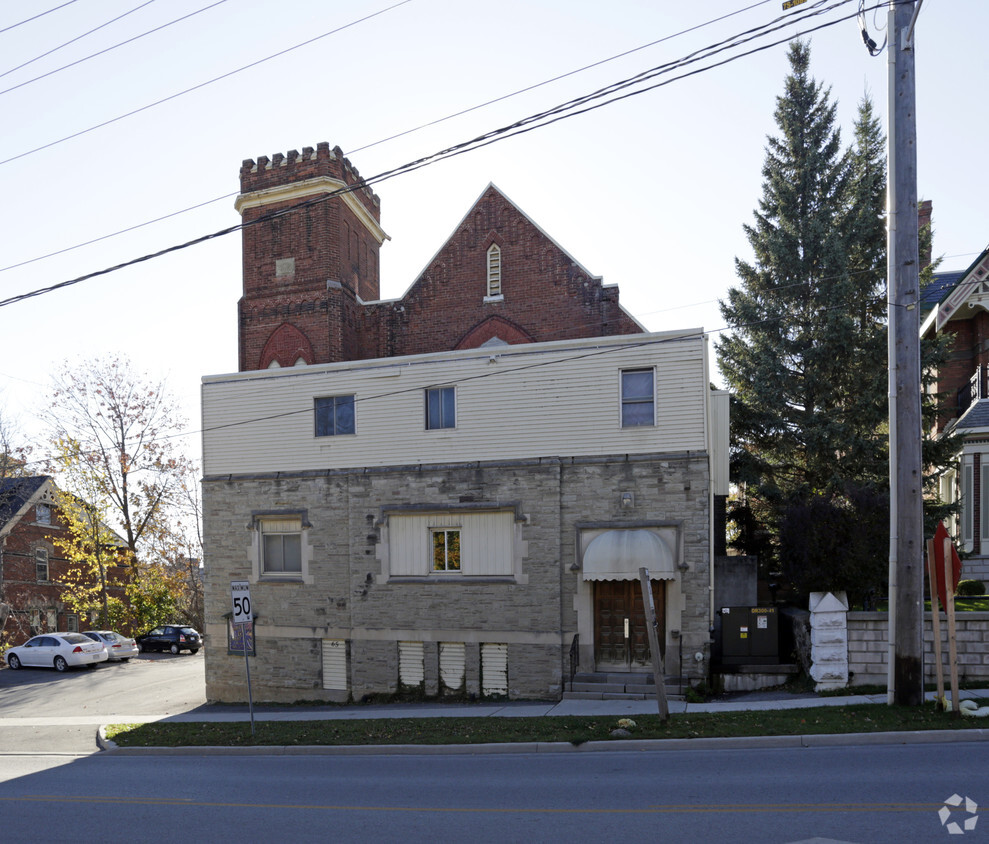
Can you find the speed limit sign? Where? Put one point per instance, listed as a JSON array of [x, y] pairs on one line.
[[240, 591]]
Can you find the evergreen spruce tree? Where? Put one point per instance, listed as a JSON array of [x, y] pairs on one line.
[[805, 359]]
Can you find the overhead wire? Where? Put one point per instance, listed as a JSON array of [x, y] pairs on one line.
[[77, 38], [414, 129], [112, 47], [526, 124], [35, 17], [198, 86]]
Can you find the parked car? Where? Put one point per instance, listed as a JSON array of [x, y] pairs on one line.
[[58, 651], [170, 637], [117, 647]]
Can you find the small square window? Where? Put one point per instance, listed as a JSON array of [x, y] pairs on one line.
[[441, 408], [334, 416], [446, 549], [638, 398]]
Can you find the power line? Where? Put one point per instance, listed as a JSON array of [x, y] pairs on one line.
[[527, 124], [415, 129], [197, 87], [556, 78], [116, 233], [35, 17], [112, 47], [77, 38]]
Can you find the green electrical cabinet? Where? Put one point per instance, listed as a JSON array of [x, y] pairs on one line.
[[749, 636]]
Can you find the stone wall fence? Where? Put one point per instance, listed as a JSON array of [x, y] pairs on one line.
[[867, 634]]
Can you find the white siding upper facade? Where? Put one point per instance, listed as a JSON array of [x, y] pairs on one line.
[[560, 399]]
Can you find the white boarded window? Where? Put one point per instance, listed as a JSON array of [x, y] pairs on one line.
[[494, 669], [494, 270], [453, 662], [335, 664], [411, 664], [484, 543]]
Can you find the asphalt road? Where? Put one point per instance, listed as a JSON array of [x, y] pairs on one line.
[[847, 794], [32, 700]]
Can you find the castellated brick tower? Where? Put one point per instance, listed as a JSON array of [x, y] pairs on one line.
[[307, 271]]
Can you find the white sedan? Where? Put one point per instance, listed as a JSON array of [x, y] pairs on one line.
[[58, 651], [117, 646]]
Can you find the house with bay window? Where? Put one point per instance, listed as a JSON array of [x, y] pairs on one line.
[[453, 491], [957, 303]]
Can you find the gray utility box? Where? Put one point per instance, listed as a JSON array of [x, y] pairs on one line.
[[749, 636]]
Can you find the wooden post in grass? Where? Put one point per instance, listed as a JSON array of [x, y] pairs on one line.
[[659, 678], [935, 622], [949, 608]]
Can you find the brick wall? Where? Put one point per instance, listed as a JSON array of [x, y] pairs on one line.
[[313, 307]]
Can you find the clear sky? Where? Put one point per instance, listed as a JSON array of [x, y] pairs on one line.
[[650, 193]]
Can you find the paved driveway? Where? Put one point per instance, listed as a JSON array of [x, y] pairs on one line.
[[44, 711]]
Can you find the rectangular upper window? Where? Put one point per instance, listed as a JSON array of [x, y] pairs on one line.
[[441, 408], [334, 416], [638, 397], [43, 514], [41, 564], [446, 549]]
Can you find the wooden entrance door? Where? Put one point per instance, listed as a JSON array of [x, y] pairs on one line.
[[618, 601]]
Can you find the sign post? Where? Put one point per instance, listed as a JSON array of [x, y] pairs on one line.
[[240, 594], [659, 678]]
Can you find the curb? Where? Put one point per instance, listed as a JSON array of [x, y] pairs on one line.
[[733, 743]]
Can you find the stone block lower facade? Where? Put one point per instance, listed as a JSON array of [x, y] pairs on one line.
[[868, 652], [360, 620]]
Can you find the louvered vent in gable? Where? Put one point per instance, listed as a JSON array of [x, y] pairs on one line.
[[494, 270]]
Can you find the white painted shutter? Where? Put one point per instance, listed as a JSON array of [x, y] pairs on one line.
[[335, 664], [494, 669], [411, 663], [452, 665]]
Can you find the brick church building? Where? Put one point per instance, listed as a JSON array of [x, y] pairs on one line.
[[453, 491]]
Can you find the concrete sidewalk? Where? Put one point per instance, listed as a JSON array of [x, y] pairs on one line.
[[748, 701]]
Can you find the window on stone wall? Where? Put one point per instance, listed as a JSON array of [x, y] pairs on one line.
[[334, 416], [41, 564], [494, 270], [452, 544], [441, 408], [282, 546], [638, 397]]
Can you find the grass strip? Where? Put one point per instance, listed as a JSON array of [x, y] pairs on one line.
[[858, 718]]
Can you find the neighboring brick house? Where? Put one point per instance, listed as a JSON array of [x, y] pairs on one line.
[[31, 567], [453, 490], [958, 303]]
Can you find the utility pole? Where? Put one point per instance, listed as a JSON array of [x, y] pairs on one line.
[[906, 616]]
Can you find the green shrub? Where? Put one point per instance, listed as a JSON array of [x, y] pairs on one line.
[[971, 587]]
